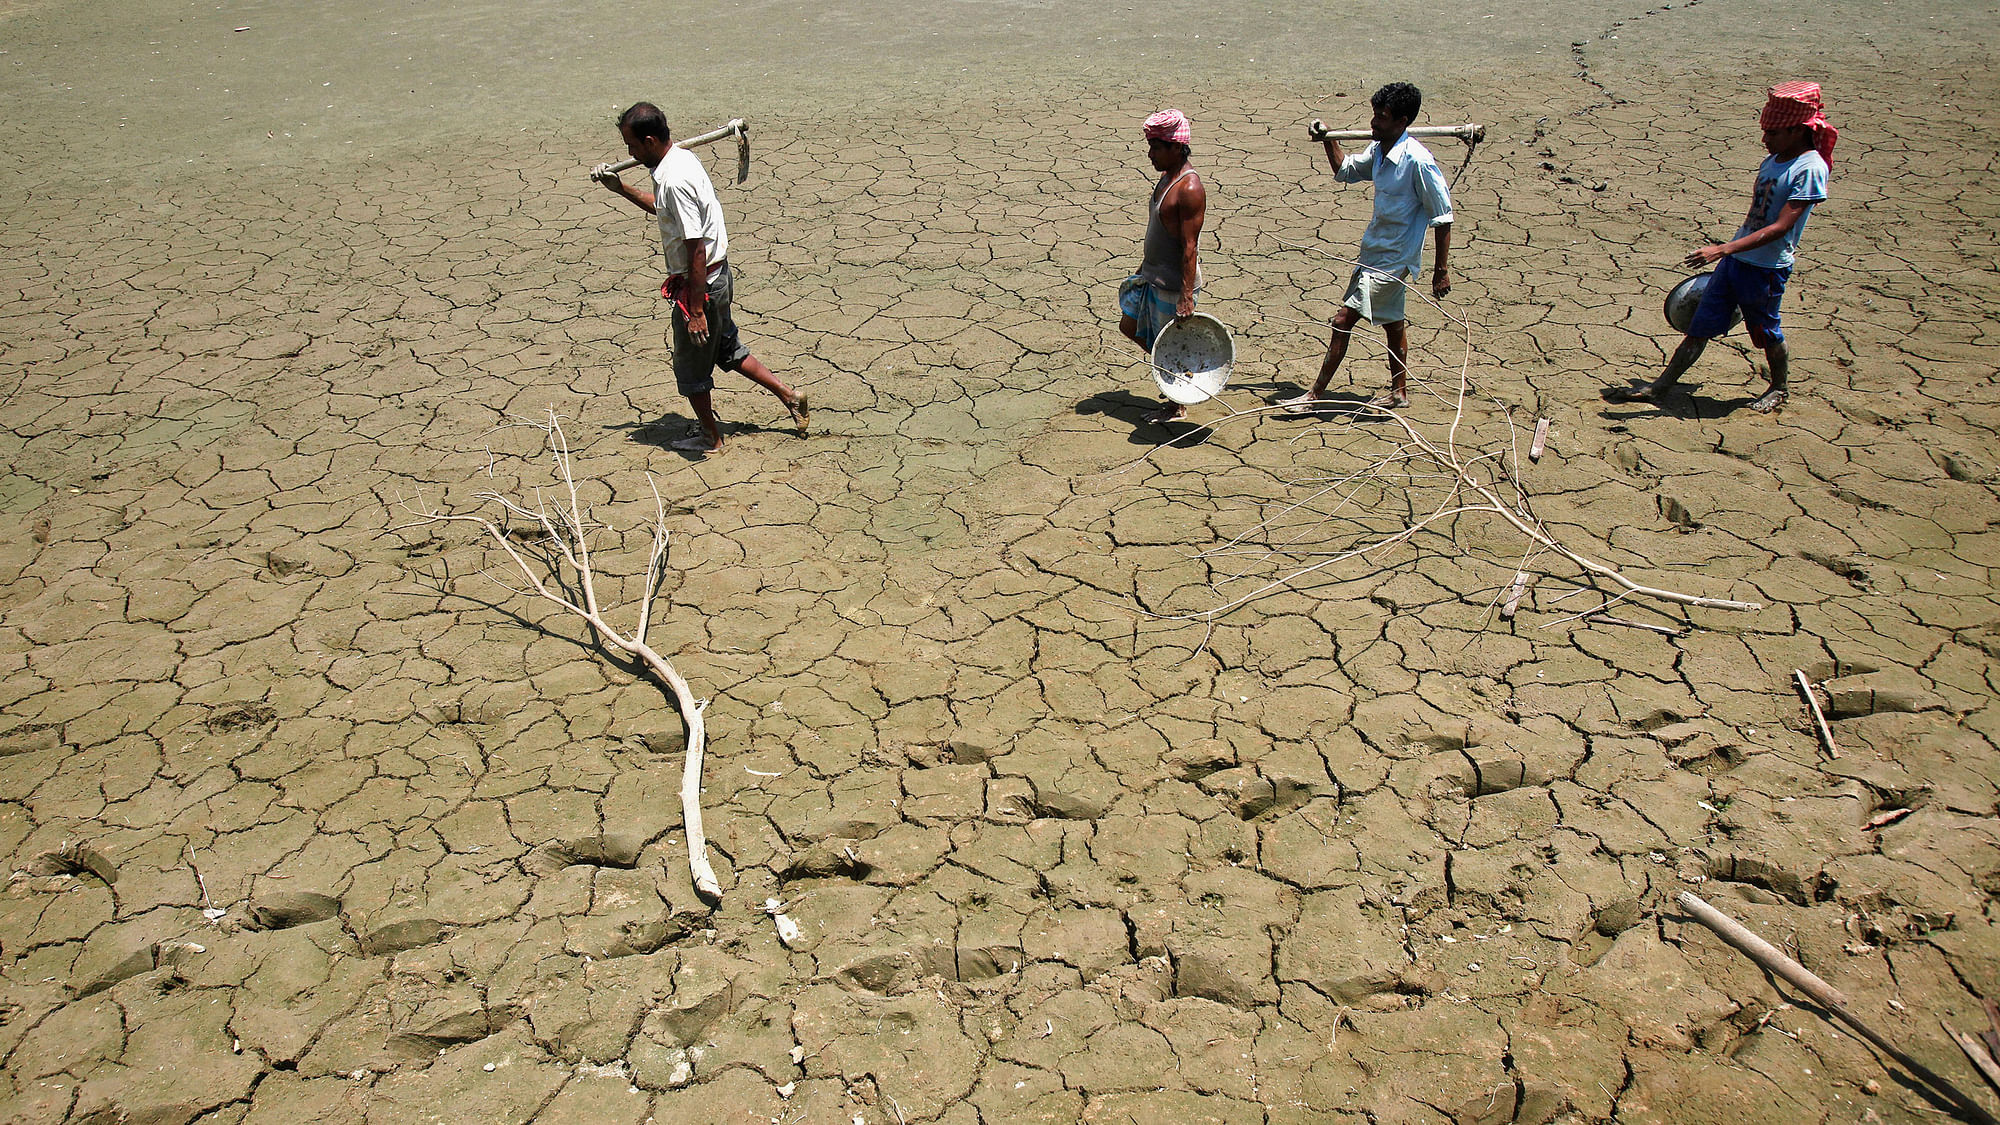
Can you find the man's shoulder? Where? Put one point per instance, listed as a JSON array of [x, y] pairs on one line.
[[1183, 191], [1806, 172], [682, 166], [1411, 149]]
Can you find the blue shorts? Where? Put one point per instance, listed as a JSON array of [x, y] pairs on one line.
[[1739, 285], [1150, 307]]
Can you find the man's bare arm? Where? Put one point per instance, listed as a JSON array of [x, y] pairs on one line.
[[1788, 217], [1441, 269], [697, 291], [643, 200], [1335, 155], [1189, 210]]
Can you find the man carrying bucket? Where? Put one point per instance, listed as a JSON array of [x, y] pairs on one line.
[[1752, 268], [1163, 290]]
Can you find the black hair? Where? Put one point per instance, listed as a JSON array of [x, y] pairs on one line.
[[1401, 99], [645, 120]]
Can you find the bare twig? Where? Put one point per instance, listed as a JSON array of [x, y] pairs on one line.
[[558, 568], [1975, 1052], [1471, 482], [1607, 619], [1825, 995], [1819, 717]]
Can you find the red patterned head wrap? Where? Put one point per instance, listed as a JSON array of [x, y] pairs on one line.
[[1799, 103], [1169, 125]]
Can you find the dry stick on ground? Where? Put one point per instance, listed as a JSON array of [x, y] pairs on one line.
[[1772, 960], [1469, 490], [1976, 1052], [1819, 717], [565, 543]]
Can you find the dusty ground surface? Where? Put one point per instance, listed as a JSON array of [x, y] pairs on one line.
[[307, 820]]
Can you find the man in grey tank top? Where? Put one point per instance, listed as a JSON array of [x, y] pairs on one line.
[[1164, 288]]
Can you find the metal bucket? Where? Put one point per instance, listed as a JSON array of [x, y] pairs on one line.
[[1192, 359], [1685, 297]]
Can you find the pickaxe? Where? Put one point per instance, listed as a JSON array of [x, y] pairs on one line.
[[1470, 134], [737, 128]]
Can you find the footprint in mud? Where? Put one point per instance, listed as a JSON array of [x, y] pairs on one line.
[[1759, 881], [1709, 758], [74, 859], [28, 738], [152, 955], [834, 858], [1487, 776], [1606, 924], [1699, 749], [1253, 796], [245, 716], [453, 1030], [285, 909], [399, 936], [621, 852]]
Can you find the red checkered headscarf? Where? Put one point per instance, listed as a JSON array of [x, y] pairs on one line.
[[1169, 125], [1798, 103]]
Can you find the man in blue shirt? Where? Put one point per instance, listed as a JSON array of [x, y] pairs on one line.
[[1751, 269], [1410, 198]]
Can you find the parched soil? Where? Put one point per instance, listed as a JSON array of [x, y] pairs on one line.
[[312, 815]]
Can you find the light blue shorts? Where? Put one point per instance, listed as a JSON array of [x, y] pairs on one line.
[[1377, 295]]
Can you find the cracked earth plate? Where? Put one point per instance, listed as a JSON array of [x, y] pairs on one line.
[[1192, 359]]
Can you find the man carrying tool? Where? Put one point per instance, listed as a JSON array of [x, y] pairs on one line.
[[698, 277], [1410, 198], [1163, 290], [1752, 268]]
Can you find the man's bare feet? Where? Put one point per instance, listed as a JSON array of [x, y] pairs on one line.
[[1167, 412], [1304, 404], [1644, 393], [1390, 400], [696, 443], [1773, 399], [800, 408]]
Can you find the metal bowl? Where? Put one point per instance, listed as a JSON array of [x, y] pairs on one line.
[[1192, 359], [1685, 297]]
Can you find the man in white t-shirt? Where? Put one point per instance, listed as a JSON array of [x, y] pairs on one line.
[[696, 247], [1752, 268]]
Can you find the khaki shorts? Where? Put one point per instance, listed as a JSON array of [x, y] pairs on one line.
[[1377, 295], [695, 364]]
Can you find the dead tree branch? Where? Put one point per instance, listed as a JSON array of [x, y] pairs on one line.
[[555, 564]]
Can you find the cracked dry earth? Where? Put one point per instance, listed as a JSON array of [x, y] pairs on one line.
[[307, 820]]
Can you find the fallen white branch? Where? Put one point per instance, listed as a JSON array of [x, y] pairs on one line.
[[1829, 998], [788, 930], [1484, 483], [556, 566], [1819, 717]]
